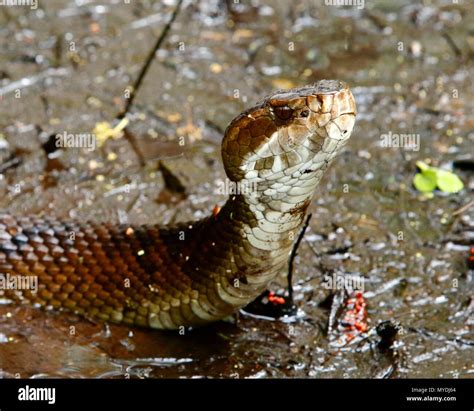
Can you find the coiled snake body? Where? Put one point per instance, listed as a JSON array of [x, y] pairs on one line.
[[192, 274]]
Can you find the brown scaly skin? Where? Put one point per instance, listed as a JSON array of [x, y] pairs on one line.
[[192, 274]]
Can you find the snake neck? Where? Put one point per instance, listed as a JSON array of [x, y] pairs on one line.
[[245, 246], [267, 233]]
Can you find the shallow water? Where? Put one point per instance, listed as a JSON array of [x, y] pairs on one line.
[[72, 64]]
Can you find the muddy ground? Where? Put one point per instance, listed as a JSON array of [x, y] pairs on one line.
[[66, 66]]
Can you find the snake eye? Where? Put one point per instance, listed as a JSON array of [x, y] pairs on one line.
[[304, 113], [283, 112]]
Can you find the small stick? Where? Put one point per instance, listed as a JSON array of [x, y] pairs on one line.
[[452, 44], [293, 255], [464, 208], [133, 142], [149, 60], [136, 86]]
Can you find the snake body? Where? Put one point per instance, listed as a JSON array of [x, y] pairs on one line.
[[195, 273]]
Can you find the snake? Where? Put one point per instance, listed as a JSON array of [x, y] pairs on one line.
[[192, 273]]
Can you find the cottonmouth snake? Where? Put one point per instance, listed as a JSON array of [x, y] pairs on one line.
[[192, 274]]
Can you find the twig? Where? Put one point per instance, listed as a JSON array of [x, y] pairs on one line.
[[133, 142], [452, 44], [464, 208], [149, 60], [172, 182], [11, 162], [438, 337], [136, 86], [293, 255]]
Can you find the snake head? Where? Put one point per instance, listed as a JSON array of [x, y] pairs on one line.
[[290, 134]]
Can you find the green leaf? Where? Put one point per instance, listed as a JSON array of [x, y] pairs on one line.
[[448, 182], [429, 178], [422, 166], [425, 181]]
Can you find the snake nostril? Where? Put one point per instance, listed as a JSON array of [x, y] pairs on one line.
[[304, 113]]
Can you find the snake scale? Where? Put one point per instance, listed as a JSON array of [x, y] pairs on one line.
[[189, 274]]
